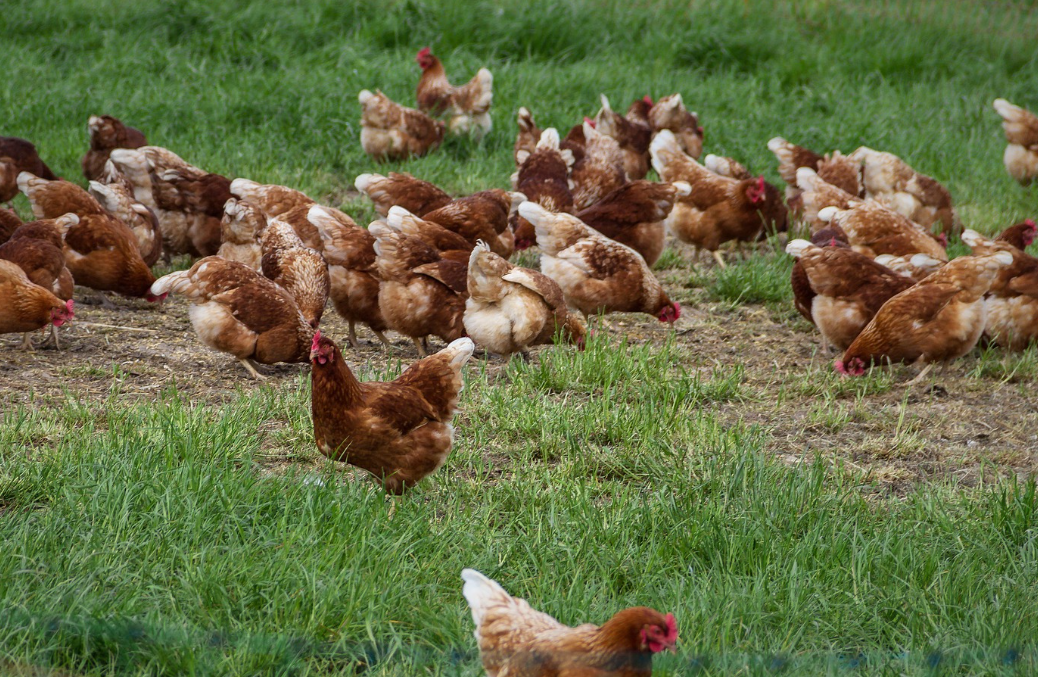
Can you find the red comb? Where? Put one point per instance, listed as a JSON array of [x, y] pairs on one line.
[[424, 51], [317, 339], [760, 181], [648, 99], [672, 628], [589, 121], [1029, 222]]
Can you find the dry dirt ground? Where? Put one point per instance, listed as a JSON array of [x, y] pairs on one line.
[[975, 418]]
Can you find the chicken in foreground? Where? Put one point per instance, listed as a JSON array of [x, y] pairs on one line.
[[394, 132], [25, 306], [511, 308], [100, 250], [422, 293], [17, 156], [236, 310], [106, 134], [1021, 128], [297, 269], [399, 431], [516, 639], [467, 107], [938, 319], [846, 289], [596, 274], [401, 190]]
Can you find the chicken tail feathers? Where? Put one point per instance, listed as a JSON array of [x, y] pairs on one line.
[[481, 592]]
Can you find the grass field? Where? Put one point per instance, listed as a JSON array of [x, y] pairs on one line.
[[161, 514]]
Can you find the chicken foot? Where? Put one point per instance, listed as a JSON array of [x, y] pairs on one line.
[[252, 369]]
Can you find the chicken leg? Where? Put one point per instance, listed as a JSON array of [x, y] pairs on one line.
[[252, 370], [418, 345], [919, 378], [719, 258], [27, 343], [352, 337], [382, 337]]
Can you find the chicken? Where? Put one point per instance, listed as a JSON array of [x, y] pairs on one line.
[[399, 431], [271, 199], [516, 640], [726, 166], [872, 229], [26, 307], [834, 169], [575, 141], [421, 293], [187, 201], [633, 138], [481, 216], [670, 113], [638, 112], [814, 194], [1021, 129], [449, 244], [349, 251], [529, 135], [543, 177], [403, 190], [468, 106], [718, 209], [596, 274], [938, 319], [106, 134], [890, 181], [601, 169], [36, 248], [16, 156], [100, 250], [118, 201], [510, 308], [394, 132], [916, 266], [1012, 302], [774, 211], [236, 310], [846, 289], [633, 215], [791, 158], [803, 294], [1020, 235], [297, 269], [240, 230], [9, 222]]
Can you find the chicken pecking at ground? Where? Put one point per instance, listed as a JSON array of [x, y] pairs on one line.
[[467, 107], [511, 308], [25, 306], [516, 639], [937, 320], [297, 269], [399, 431], [596, 274], [1021, 128], [401, 190], [106, 134], [236, 310], [390, 131], [118, 200]]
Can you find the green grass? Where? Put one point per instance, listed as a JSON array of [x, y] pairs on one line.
[[161, 538]]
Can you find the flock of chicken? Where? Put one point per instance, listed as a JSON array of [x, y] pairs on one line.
[[874, 278]]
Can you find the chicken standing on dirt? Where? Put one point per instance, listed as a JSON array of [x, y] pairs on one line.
[[1021, 129], [236, 310], [394, 132], [26, 307], [510, 308], [516, 639], [596, 274], [106, 134], [399, 431], [938, 319], [467, 106]]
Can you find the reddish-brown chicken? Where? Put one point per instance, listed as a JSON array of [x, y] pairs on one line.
[[846, 289], [394, 132], [718, 209], [599, 171], [872, 229], [100, 250], [633, 215], [890, 181], [401, 190], [596, 274], [1012, 302], [916, 266], [399, 431], [633, 138], [1021, 128], [814, 194], [481, 216], [17, 156], [467, 107], [236, 310], [450, 245], [938, 319], [9, 222], [106, 134], [543, 177], [271, 199], [510, 308], [670, 113], [118, 201], [421, 292], [240, 231], [297, 269], [529, 135], [26, 307], [516, 640]]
